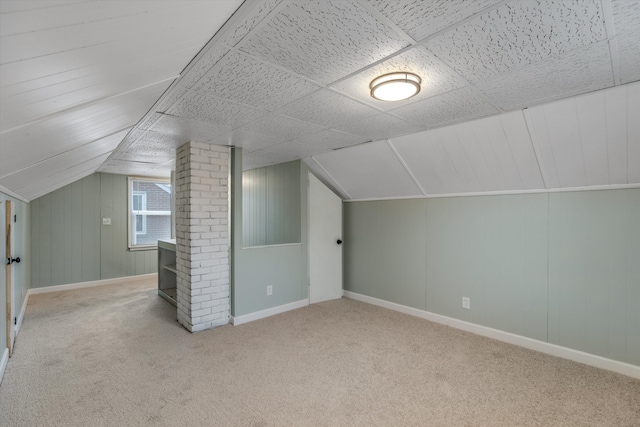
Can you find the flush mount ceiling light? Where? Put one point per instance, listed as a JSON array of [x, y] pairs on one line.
[[396, 86]]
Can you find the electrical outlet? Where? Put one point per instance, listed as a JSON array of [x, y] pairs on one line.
[[466, 303], [106, 221], [269, 290]]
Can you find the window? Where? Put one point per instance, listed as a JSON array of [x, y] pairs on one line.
[[149, 212], [138, 205]]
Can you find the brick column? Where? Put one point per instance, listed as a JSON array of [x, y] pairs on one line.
[[202, 235]]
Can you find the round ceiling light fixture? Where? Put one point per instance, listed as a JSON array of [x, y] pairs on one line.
[[396, 86]]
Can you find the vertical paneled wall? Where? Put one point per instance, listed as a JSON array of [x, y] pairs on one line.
[[69, 244], [491, 249], [271, 205], [557, 267], [284, 267], [594, 272]]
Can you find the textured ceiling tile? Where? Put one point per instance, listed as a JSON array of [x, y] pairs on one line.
[[280, 153], [420, 18], [328, 139], [461, 104], [281, 127], [579, 71], [209, 59], [250, 81], [519, 33], [190, 130], [248, 141], [436, 77], [629, 57], [238, 32], [626, 20], [380, 126], [158, 140], [323, 40], [313, 109], [196, 106]]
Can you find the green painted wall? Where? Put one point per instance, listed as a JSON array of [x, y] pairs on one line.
[[70, 244], [283, 267], [558, 267], [594, 273]]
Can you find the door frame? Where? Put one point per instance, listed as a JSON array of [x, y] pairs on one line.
[[9, 284]]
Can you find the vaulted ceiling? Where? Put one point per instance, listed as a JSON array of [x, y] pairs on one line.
[[517, 95]]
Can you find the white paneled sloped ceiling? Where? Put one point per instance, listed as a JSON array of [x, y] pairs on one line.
[[517, 95]]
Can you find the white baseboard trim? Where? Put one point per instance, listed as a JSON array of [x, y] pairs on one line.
[[3, 363], [530, 343], [21, 315], [239, 320], [118, 280]]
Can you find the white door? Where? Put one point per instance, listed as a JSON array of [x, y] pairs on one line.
[[325, 242]]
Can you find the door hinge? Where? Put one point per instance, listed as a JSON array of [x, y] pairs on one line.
[[15, 320]]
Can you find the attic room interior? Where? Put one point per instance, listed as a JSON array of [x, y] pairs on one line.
[[213, 214]]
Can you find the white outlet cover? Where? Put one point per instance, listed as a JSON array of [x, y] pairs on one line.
[[466, 302], [106, 221]]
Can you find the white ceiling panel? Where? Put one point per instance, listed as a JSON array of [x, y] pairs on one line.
[[248, 22], [271, 155], [250, 81], [436, 77], [420, 18], [28, 145], [626, 23], [343, 110], [284, 128], [66, 176], [615, 104], [189, 130], [324, 40], [591, 139], [31, 104], [217, 111], [369, 171], [325, 177], [380, 126], [459, 104], [329, 139], [45, 169], [126, 167], [245, 139], [519, 33], [426, 157], [579, 71]]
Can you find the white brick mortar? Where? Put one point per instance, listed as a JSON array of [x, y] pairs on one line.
[[202, 244]]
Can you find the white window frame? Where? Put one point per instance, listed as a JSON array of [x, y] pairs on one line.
[[131, 237], [143, 203]]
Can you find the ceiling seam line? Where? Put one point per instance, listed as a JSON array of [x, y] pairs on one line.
[[534, 143], [406, 167], [610, 29], [378, 15], [331, 177], [65, 152], [86, 104], [50, 175]]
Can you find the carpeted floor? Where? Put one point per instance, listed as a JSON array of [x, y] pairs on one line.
[[115, 356]]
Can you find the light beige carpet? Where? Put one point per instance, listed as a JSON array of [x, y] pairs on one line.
[[115, 356]]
